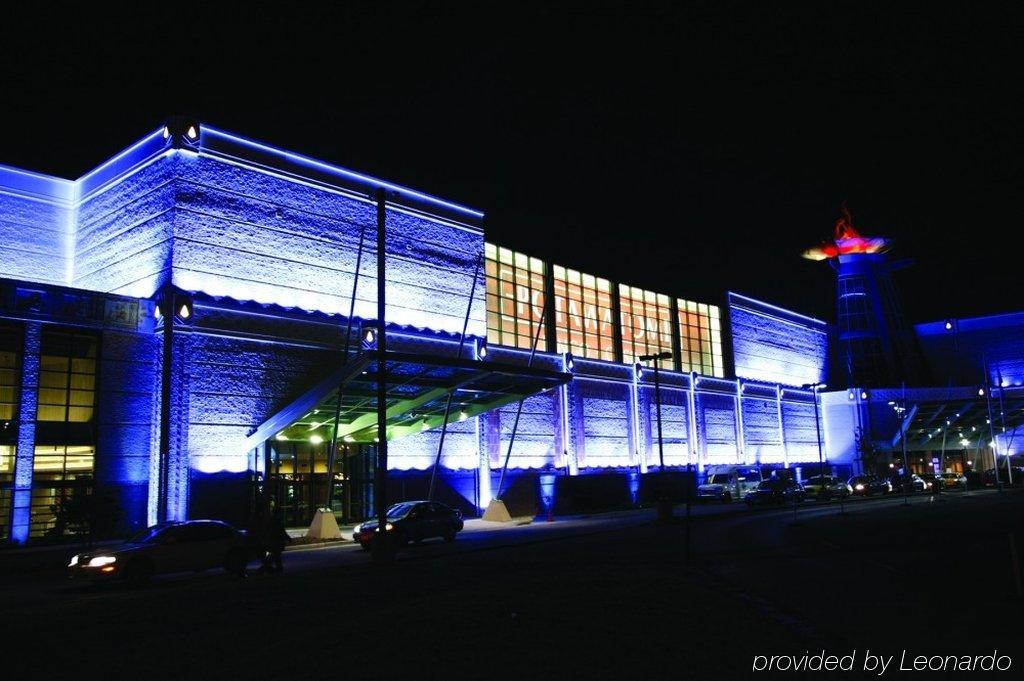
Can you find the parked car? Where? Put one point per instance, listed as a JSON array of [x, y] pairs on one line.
[[932, 481], [193, 545], [989, 476], [953, 481], [826, 487], [867, 485], [775, 491], [413, 521], [911, 481], [728, 484]]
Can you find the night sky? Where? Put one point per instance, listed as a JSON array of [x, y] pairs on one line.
[[690, 148]]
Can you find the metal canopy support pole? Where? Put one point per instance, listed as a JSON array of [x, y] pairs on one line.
[[332, 449], [991, 427], [381, 469], [519, 411], [1002, 425], [448, 402]]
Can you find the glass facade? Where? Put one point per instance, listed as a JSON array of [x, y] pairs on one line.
[[515, 297], [700, 338], [583, 315], [646, 323], [65, 439]]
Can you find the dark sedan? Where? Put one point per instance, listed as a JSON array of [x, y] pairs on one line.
[[774, 492], [413, 521], [910, 482], [194, 545], [866, 485]]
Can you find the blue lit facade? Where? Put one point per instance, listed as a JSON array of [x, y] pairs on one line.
[[260, 246]]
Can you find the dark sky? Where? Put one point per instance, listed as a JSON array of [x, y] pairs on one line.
[[689, 148]]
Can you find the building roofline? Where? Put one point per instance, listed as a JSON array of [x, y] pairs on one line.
[[218, 144]]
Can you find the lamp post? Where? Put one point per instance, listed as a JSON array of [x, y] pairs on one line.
[[900, 407], [815, 387], [664, 505]]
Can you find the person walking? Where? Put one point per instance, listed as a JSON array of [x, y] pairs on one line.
[[275, 538]]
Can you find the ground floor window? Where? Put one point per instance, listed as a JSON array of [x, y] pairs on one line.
[[61, 475], [6, 478]]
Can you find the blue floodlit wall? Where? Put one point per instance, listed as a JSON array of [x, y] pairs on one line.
[[230, 217], [959, 354], [776, 345], [36, 226]]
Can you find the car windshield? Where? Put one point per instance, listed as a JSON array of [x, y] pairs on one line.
[[719, 479], [400, 510]]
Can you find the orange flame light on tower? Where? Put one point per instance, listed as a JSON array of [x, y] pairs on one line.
[[847, 241]]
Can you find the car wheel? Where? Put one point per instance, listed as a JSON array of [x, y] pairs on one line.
[[234, 561], [364, 545], [138, 571]]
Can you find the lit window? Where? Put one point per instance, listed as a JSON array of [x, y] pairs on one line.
[[515, 297], [700, 338], [646, 323], [583, 315]]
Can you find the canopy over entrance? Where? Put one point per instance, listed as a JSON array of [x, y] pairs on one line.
[[964, 415], [417, 391]]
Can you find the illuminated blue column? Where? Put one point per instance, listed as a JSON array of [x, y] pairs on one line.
[[484, 459], [568, 413], [25, 454], [741, 454]]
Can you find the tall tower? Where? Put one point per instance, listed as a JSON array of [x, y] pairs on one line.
[[875, 346]]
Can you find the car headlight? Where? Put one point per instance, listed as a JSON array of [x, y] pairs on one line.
[[858, 487], [388, 527], [100, 561], [74, 561]]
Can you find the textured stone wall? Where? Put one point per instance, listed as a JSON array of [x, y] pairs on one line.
[[34, 231], [775, 345]]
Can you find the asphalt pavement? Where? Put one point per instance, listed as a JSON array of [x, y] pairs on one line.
[[610, 596]]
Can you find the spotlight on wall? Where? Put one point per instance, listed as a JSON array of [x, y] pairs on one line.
[[183, 307], [192, 133], [315, 439], [863, 394], [368, 337], [167, 132], [568, 362], [463, 416], [481, 348], [157, 314], [981, 392], [850, 395], [638, 371], [949, 325]]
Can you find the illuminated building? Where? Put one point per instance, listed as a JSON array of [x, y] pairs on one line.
[[172, 328]]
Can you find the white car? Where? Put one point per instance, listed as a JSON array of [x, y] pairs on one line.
[[193, 545], [729, 484]]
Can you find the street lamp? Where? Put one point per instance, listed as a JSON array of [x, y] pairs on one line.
[[816, 387], [900, 407], [664, 507]]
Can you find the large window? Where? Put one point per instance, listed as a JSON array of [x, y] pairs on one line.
[[646, 323], [583, 315], [700, 338], [64, 458], [515, 297]]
